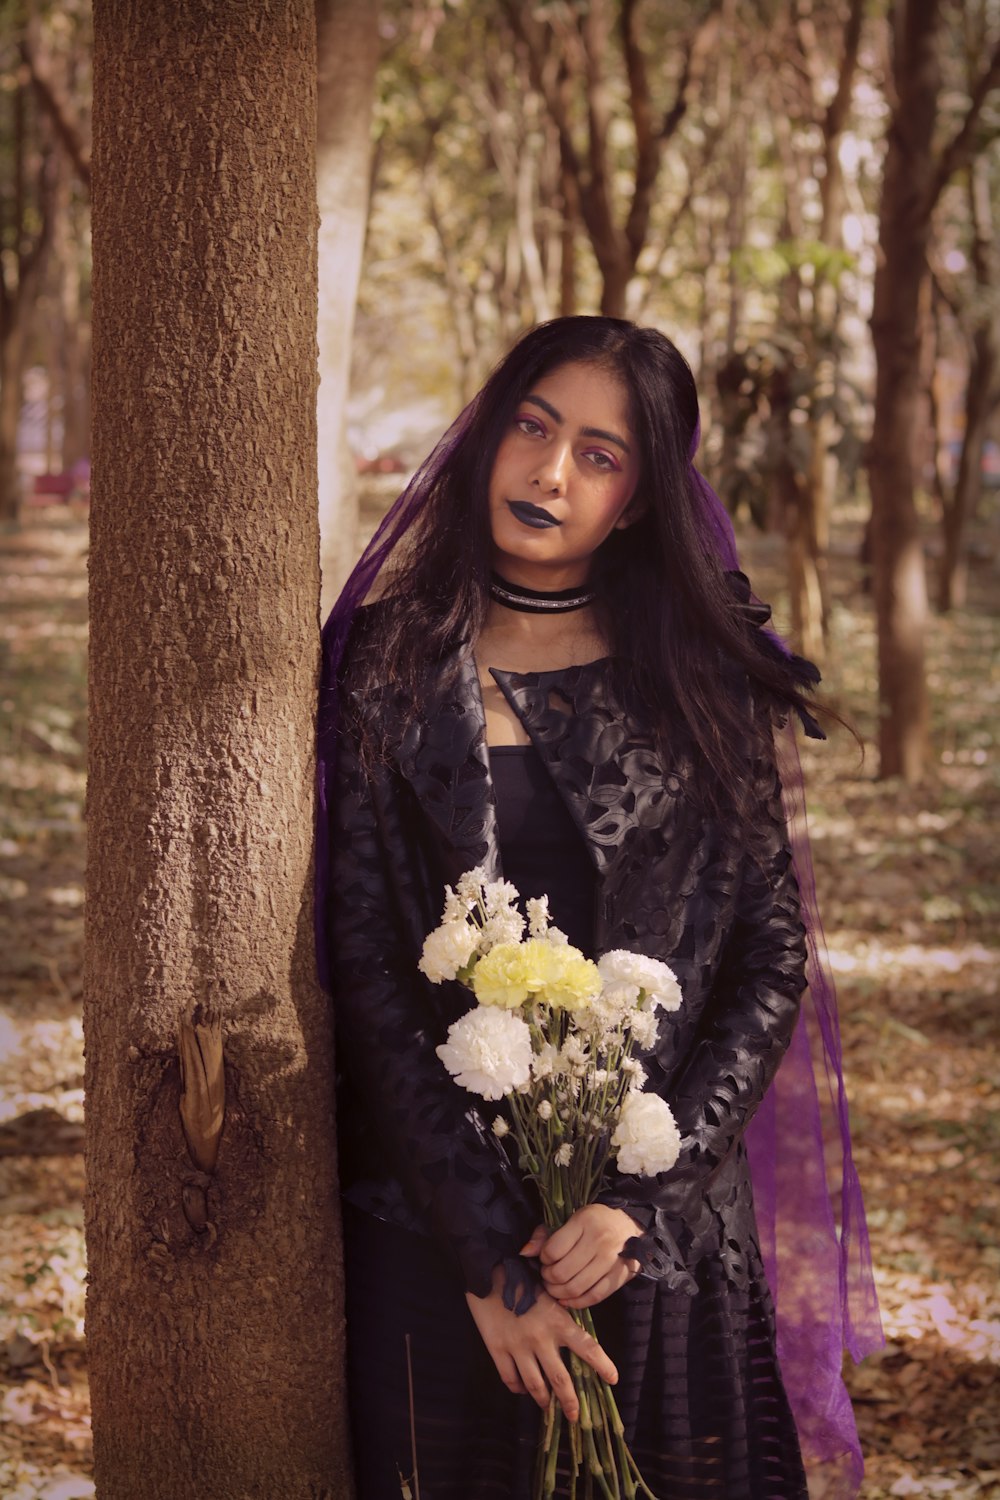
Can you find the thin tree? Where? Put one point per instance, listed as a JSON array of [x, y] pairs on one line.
[[27, 203], [568, 54], [916, 172], [348, 53], [214, 1322], [809, 489]]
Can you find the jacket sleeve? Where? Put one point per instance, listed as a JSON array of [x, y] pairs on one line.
[[452, 1167], [746, 1032]]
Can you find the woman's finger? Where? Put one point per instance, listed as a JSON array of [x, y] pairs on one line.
[[601, 1289], [578, 1280], [534, 1382], [562, 1241], [507, 1370], [538, 1237], [587, 1347], [561, 1383]]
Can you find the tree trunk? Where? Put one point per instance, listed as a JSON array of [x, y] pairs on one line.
[[616, 277], [348, 52], [25, 265], [980, 397], [214, 1320], [11, 390], [898, 570], [76, 332], [568, 301], [982, 391]]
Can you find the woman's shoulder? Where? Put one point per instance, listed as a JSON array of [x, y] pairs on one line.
[[363, 642]]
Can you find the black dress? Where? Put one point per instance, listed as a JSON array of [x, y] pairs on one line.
[[680, 1357]]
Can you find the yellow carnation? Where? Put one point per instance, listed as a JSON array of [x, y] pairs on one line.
[[572, 981], [559, 976], [499, 977]]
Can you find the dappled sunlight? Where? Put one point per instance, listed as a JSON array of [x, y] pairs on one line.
[[879, 960], [908, 887]]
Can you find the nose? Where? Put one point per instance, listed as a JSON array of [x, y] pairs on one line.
[[552, 469]]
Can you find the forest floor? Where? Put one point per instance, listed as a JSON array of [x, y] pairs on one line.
[[910, 890]]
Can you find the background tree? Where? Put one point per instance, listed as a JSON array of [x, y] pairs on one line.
[[214, 1319], [811, 120], [568, 52], [462, 130], [917, 168], [348, 56], [967, 224], [56, 49], [980, 321], [27, 206]]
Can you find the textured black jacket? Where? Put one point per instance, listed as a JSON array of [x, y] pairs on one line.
[[672, 884]]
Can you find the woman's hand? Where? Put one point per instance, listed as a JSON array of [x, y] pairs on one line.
[[526, 1349], [582, 1262]]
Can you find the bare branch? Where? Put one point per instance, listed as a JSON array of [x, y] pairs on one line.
[[693, 69], [962, 147], [60, 112], [527, 33], [648, 142], [837, 110]]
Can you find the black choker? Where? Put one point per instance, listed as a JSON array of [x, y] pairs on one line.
[[536, 601]]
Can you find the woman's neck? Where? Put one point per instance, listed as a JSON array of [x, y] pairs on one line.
[[536, 643]]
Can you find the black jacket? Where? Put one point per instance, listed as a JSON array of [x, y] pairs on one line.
[[672, 884]]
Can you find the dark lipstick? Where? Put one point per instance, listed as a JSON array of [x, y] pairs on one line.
[[532, 515]]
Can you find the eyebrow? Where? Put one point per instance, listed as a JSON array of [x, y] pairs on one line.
[[597, 432]]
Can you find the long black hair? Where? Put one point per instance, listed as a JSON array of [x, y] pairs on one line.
[[684, 640]]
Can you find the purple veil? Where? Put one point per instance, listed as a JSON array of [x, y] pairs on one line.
[[810, 1212]]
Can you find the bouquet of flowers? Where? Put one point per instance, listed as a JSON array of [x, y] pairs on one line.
[[553, 1033]]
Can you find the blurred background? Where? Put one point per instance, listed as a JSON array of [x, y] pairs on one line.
[[803, 194]]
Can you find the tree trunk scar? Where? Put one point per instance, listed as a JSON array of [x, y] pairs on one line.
[[203, 1088]]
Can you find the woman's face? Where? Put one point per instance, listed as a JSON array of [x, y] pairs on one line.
[[563, 478]]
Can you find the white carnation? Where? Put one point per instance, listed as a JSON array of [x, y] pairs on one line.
[[564, 1155], [573, 1057], [636, 1073], [498, 895], [545, 1061], [504, 925], [500, 1127], [646, 1138], [643, 1027], [629, 973], [488, 1051], [455, 908], [557, 937], [544, 1110], [447, 949], [538, 916], [470, 886]]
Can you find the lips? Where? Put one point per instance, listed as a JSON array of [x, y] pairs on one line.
[[532, 515]]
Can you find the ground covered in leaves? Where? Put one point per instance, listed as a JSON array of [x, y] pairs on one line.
[[910, 890]]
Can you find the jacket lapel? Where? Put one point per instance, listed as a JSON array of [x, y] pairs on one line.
[[442, 754], [607, 771]]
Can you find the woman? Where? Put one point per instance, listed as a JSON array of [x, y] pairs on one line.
[[561, 681]]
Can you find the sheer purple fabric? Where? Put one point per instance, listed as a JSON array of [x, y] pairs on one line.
[[810, 1212], [799, 1143]]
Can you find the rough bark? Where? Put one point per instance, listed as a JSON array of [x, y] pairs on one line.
[[348, 53], [214, 1322]]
